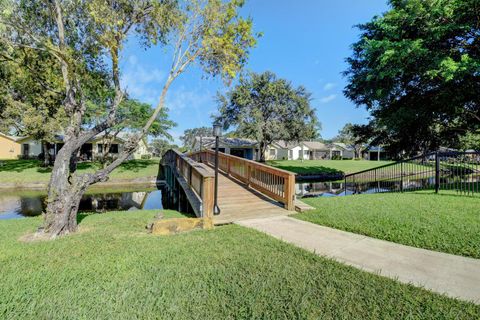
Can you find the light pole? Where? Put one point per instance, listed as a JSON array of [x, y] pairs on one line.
[[217, 132]]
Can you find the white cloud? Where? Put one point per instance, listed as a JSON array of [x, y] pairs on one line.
[[329, 86], [142, 83], [327, 99], [181, 98]]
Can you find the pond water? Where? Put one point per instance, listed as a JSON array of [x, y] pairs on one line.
[[20, 205]]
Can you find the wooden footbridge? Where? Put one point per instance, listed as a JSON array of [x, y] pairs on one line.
[[246, 189]]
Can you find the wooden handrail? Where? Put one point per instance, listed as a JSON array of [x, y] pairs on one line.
[[275, 183], [199, 178]]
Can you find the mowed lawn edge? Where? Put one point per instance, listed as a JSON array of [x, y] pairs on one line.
[[326, 166], [31, 171], [112, 268], [445, 222]]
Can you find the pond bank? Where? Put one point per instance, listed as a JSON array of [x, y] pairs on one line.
[[143, 181]]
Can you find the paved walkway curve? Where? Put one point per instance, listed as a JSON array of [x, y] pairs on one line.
[[455, 276]]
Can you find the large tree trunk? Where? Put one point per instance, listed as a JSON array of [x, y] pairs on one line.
[[46, 156], [64, 194]]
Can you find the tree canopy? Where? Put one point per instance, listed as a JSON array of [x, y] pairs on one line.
[[268, 109], [416, 68]]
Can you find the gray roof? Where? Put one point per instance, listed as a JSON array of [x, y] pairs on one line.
[[316, 145], [229, 142], [286, 144]]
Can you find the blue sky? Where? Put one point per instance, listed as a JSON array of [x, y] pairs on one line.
[[304, 41]]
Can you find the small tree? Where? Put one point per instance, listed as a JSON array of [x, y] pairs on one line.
[[268, 109], [349, 135], [159, 146], [188, 137], [81, 35]]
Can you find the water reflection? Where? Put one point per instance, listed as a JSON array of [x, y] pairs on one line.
[[13, 206]]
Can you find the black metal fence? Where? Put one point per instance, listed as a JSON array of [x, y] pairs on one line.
[[457, 171]]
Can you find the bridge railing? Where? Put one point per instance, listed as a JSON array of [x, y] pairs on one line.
[[198, 177], [275, 183]]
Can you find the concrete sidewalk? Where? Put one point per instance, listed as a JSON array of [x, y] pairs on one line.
[[455, 276]]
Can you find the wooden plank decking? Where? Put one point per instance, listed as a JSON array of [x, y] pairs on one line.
[[237, 203]]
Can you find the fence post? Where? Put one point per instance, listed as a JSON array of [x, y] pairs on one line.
[[401, 176], [437, 172]]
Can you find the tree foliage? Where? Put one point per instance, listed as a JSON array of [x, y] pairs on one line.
[[416, 68], [351, 135], [268, 109], [188, 137]]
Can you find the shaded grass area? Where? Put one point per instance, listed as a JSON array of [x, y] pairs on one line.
[[442, 222], [18, 171], [113, 269], [326, 166]]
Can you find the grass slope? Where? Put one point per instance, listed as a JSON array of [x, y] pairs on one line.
[[444, 222], [112, 269], [326, 166], [18, 171]]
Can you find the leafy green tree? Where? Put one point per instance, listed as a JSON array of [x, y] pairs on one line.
[[350, 135], [159, 146], [470, 141], [30, 103], [87, 38], [188, 137], [268, 109], [416, 69]]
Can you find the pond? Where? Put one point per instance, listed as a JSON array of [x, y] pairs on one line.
[[29, 204]]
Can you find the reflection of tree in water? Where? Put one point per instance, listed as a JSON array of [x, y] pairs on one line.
[[113, 201], [34, 206], [31, 207]]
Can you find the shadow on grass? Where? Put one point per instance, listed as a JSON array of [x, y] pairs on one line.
[[19, 165], [303, 168]]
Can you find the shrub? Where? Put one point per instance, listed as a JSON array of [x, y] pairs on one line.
[[146, 156]]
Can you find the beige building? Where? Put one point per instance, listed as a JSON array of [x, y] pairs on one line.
[[10, 147], [26, 147]]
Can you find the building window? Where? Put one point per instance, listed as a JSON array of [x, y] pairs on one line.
[[273, 152], [114, 148]]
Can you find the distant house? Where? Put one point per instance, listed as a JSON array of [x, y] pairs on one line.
[[10, 148], [244, 148], [375, 153], [282, 150], [308, 150], [28, 148]]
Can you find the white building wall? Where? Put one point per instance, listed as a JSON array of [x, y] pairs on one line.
[[35, 147], [295, 153]]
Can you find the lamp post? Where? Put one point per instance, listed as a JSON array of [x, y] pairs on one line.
[[217, 132]]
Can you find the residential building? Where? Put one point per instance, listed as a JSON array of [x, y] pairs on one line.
[[244, 148], [27, 147], [308, 150]]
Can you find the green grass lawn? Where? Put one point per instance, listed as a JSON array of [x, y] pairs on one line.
[[113, 269], [444, 222], [24, 171], [326, 166]]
